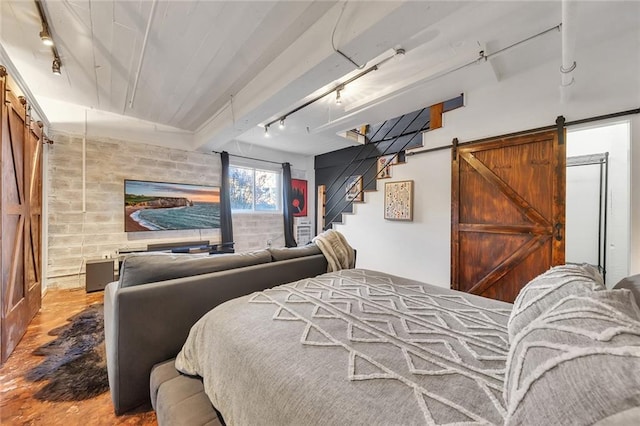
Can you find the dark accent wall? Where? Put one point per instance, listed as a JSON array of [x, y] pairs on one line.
[[334, 168], [390, 137]]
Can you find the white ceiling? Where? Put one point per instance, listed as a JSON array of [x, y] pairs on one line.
[[214, 71]]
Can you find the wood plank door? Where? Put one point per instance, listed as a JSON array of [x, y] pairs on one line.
[[508, 198], [21, 210]]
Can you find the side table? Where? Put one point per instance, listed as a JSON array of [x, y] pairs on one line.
[[100, 272]]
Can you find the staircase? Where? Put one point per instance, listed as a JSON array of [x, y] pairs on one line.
[[344, 177]]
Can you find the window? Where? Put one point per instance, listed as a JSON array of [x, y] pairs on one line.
[[254, 189]]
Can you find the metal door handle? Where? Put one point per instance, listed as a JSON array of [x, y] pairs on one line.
[[558, 227]]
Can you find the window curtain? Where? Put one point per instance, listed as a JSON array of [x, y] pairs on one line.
[[226, 224], [287, 208]]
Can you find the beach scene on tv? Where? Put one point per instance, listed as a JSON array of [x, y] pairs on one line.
[[161, 206]]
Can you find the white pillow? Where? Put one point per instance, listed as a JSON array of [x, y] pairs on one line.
[[631, 283], [578, 363], [547, 289]]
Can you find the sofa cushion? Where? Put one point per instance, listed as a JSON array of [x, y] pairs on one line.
[[632, 284], [143, 268], [293, 252], [577, 363], [547, 289]]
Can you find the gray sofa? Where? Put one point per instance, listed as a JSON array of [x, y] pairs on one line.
[[148, 313]]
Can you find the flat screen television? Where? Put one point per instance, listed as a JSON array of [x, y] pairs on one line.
[[163, 206]]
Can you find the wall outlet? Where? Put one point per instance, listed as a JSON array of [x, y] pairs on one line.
[[106, 256]]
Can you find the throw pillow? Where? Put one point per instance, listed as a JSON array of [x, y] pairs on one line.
[[578, 363], [547, 289], [631, 283]]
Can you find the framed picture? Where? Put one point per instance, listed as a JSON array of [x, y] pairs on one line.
[[353, 188], [163, 206], [398, 200], [384, 165], [299, 197]]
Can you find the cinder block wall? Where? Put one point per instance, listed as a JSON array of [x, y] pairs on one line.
[[254, 231], [75, 236]]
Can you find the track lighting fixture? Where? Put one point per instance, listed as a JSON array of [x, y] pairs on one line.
[[282, 123], [266, 131], [398, 53], [45, 36], [56, 67]]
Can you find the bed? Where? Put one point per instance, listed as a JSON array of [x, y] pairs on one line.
[[363, 347], [353, 347]]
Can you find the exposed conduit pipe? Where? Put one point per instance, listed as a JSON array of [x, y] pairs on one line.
[[84, 165], [482, 57], [568, 47], [144, 47]]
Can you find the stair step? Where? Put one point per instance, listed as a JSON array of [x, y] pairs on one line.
[[349, 209]]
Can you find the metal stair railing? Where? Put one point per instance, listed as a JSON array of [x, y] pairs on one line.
[[327, 224], [329, 187]]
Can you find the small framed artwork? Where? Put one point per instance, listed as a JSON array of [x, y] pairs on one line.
[[353, 188], [384, 165], [398, 200], [299, 197]]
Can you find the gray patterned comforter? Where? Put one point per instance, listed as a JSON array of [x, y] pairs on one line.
[[353, 347]]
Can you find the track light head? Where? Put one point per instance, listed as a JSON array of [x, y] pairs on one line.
[[282, 123], [46, 37], [55, 68], [338, 98], [266, 131]]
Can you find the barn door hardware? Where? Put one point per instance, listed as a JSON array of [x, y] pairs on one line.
[[558, 233]]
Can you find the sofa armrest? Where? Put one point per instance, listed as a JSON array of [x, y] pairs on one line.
[[110, 337], [149, 323]]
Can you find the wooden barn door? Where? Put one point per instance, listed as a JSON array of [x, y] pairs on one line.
[[21, 210], [508, 197]]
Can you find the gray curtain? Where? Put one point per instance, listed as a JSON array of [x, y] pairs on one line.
[[226, 224], [287, 208]]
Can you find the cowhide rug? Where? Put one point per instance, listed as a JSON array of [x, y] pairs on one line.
[[75, 362]]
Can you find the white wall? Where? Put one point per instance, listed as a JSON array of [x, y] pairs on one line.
[[582, 210], [583, 198], [634, 261], [418, 249], [606, 81]]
